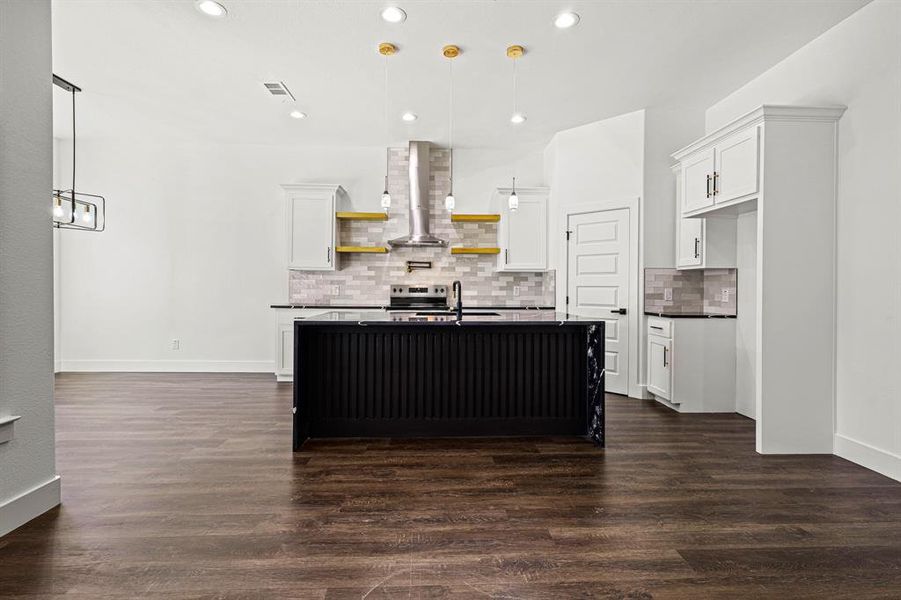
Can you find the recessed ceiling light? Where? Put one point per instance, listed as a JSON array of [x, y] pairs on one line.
[[211, 8], [298, 115], [394, 14], [409, 117], [518, 118], [565, 20]]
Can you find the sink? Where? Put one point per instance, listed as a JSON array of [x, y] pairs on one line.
[[436, 313]]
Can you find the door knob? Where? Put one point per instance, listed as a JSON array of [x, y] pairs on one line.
[[619, 311]]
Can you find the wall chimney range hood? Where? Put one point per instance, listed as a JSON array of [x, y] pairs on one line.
[[419, 236]]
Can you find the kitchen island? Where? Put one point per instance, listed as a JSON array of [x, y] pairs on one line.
[[423, 375]]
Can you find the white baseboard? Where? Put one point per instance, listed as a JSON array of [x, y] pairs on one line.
[[881, 461], [169, 366], [25, 507]]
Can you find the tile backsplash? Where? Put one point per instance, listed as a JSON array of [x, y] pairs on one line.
[[364, 278], [693, 291]]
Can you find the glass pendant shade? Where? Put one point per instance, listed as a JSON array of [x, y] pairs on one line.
[[513, 201]]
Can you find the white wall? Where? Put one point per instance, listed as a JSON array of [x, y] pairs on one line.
[[857, 64], [665, 130], [746, 322], [601, 163], [28, 482], [194, 245]]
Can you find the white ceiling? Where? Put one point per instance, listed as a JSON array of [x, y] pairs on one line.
[[162, 69]]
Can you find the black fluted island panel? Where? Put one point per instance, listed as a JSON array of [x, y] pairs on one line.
[[399, 375]]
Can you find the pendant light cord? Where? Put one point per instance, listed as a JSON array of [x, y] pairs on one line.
[[451, 127], [387, 135], [514, 86], [73, 143]]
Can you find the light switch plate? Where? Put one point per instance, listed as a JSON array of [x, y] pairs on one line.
[[335, 290], [668, 294], [724, 294], [516, 290]]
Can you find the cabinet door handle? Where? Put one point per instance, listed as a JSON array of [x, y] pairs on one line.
[[697, 241], [708, 186], [716, 177], [664, 357], [328, 255], [506, 256]]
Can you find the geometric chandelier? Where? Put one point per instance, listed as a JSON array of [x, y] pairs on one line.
[[71, 209]]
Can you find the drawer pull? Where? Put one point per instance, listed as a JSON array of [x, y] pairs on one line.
[[657, 328]]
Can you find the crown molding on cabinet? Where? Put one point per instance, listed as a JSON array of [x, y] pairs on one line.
[[767, 112]]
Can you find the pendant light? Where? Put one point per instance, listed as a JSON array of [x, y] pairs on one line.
[[71, 209], [386, 49], [513, 201], [517, 118], [450, 52], [514, 52]]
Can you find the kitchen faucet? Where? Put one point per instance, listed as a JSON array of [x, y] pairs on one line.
[[458, 294]]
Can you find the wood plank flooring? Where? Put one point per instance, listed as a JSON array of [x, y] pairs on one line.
[[184, 486]]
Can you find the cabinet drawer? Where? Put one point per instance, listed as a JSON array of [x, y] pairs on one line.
[[661, 327]]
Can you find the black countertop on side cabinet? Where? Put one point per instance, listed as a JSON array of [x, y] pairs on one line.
[[510, 317], [385, 307], [668, 315]]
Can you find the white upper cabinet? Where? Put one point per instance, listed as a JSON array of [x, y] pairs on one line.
[[690, 243], [697, 181], [736, 162], [311, 229], [522, 234], [721, 171]]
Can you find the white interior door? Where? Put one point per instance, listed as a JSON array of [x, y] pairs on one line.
[[598, 265]]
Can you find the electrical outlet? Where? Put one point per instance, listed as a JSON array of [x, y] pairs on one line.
[[516, 290], [176, 344], [668, 294], [335, 290], [724, 294]]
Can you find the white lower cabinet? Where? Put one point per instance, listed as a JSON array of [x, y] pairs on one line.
[[660, 370], [284, 337], [691, 363]]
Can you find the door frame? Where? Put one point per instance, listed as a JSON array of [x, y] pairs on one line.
[[636, 296]]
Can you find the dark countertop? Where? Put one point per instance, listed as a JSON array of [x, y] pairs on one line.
[[384, 307], [512, 317], [689, 315]]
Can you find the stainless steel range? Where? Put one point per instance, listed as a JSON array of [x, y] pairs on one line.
[[418, 297]]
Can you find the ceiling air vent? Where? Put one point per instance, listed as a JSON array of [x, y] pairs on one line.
[[279, 89]]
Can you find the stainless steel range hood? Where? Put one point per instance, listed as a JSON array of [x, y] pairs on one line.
[[419, 202]]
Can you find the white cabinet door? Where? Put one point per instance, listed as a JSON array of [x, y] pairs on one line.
[[690, 249], [284, 355], [311, 231], [523, 232], [697, 181], [660, 374], [736, 162]]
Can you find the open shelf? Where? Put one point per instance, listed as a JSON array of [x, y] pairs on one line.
[[475, 218], [361, 250], [463, 250], [361, 216]]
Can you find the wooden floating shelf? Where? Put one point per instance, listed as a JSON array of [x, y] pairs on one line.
[[459, 250], [361, 250], [361, 216], [474, 218]]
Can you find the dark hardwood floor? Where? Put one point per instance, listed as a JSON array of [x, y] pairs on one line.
[[184, 486]]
